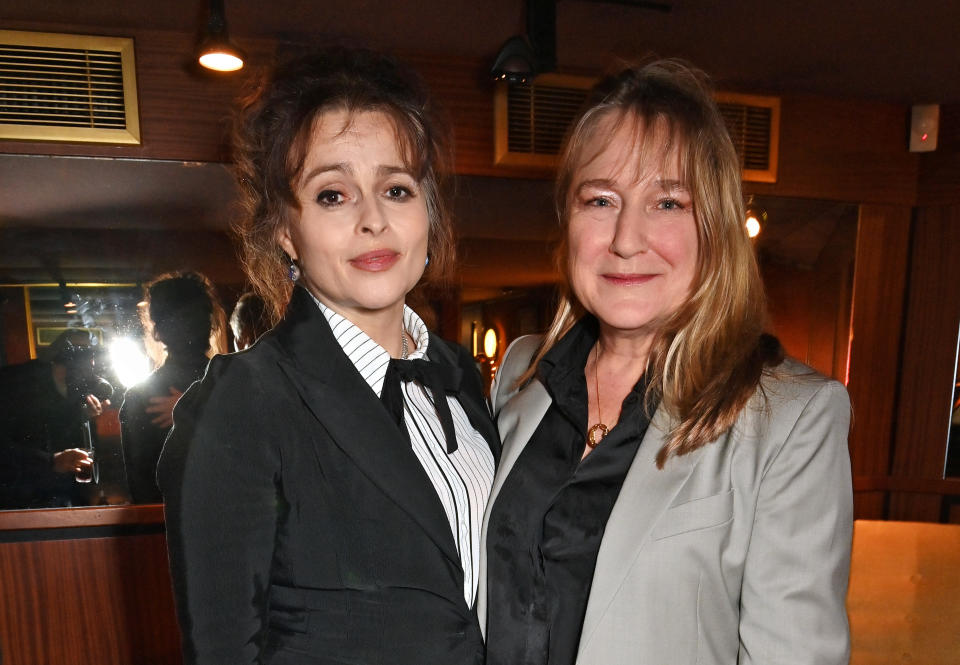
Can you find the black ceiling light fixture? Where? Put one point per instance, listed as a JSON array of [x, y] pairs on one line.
[[522, 57], [516, 62], [216, 51]]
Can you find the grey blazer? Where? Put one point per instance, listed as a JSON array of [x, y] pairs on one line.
[[736, 553]]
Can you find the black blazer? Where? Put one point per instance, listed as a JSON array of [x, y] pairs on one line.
[[301, 526]]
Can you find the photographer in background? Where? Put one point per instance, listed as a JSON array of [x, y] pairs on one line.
[[45, 438]]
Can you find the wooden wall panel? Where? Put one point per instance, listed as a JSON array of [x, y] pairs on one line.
[[940, 169], [929, 353], [96, 601], [878, 299], [466, 97], [845, 150]]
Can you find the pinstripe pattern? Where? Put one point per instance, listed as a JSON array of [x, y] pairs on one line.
[[461, 479]]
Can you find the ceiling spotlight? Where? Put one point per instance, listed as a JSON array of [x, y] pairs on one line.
[[515, 63], [755, 218], [216, 51]]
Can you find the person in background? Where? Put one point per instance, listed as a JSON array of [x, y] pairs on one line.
[[184, 315], [324, 488], [672, 489], [45, 436], [248, 320]]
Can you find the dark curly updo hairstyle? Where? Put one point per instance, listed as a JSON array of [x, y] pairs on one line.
[[271, 141], [185, 312]]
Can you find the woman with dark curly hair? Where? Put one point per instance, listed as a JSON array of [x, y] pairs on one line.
[[182, 313], [325, 487]]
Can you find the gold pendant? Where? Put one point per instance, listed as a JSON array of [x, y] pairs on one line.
[[592, 432]]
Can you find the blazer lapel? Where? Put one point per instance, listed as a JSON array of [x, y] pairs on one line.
[[518, 420], [646, 493], [348, 410]]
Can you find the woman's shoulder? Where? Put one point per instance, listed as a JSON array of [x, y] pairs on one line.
[[516, 361], [793, 381], [240, 378], [793, 396], [260, 356]]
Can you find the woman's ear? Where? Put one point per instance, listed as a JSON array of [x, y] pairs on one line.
[[285, 241]]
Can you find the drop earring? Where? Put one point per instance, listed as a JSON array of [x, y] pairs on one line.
[[293, 271], [426, 261]]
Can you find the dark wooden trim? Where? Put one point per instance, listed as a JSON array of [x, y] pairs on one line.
[[60, 518], [940, 486]]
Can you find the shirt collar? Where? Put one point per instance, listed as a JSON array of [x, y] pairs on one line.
[[367, 356], [569, 354]]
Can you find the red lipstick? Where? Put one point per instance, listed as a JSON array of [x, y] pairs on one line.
[[375, 261]]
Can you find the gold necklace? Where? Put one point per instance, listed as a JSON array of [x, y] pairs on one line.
[[592, 433]]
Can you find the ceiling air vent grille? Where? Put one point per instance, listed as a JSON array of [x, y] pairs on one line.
[[531, 121], [754, 125], [67, 88]]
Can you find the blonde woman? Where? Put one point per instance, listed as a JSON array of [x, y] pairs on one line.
[[672, 490]]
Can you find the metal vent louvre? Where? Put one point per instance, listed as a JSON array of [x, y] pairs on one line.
[[539, 116], [753, 123], [531, 121], [749, 127], [67, 88]]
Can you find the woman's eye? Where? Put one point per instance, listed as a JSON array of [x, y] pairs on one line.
[[670, 204], [329, 197], [600, 202], [399, 192]]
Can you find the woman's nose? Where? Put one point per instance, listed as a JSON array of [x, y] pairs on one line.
[[630, 234], [373, 218]]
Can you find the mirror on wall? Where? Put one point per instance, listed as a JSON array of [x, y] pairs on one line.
[[78, 239], [70, 351]]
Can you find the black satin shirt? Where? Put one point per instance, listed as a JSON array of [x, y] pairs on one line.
[[547, 523]]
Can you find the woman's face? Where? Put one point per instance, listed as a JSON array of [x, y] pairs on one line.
[[361, 236], [631, 228]]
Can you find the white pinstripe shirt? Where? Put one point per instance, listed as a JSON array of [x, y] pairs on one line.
[[462, 479]]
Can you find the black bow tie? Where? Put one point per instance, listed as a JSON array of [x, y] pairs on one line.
[[440, 378]]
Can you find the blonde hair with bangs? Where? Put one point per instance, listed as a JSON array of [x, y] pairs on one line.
[[707, 358]]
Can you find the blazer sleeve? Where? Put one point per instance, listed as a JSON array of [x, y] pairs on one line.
[[795, 575], [219, 473]]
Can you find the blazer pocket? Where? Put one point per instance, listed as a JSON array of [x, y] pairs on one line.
[[695, 515]]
